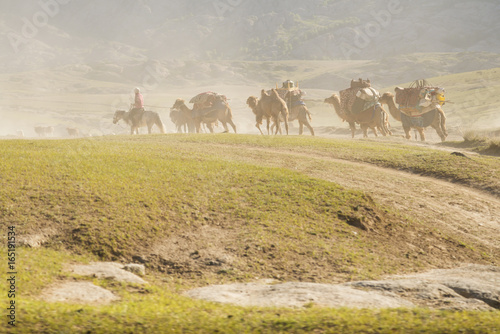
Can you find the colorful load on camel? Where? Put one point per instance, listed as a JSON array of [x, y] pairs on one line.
[[420, 98], [359, 97]]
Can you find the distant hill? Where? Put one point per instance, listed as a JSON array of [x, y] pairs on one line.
[[58, 32]]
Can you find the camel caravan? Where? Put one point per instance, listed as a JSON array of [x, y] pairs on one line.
[[416, 107]]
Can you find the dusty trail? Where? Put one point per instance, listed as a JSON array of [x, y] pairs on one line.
[[467, 214], [470, 214]]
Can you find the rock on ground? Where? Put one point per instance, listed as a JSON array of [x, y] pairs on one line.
[[471, 287], [109, 270], [296, 295], [79, 292]]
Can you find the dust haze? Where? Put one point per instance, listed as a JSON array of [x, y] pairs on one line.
[[72, 63]]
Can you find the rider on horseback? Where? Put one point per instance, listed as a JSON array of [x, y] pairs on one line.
[[137, 108]]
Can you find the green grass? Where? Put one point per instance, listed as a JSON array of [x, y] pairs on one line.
[[113, 198], [480, 172]]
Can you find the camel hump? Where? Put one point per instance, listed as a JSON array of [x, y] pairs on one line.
[[399, 89]]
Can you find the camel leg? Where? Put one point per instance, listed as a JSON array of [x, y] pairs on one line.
[[224, 125], [407, 133], [387, 125], [353, 128], [258, 127], [232, 125], [422, 134], [301, 128], [375, 132], [278, 125], [308, 125], [310, 128], [210, 127], [286, 125], [439, 132]]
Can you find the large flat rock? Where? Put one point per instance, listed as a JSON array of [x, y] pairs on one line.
[[80, 293], [471, 287], [296, 295], [106, 270]]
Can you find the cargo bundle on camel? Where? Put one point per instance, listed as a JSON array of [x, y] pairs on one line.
[[419, 106], [360, 104]]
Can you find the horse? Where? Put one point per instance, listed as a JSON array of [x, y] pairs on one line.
[[147, 118]]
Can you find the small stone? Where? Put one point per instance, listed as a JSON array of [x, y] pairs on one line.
[[135, 268]]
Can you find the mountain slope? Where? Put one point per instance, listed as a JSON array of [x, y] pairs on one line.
[[38, 34]]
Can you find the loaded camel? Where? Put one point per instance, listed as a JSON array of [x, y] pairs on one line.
[[219, 111], [298, 111], [270, 107], [374, 118], [183, 120], [434, 118], [147, 118]]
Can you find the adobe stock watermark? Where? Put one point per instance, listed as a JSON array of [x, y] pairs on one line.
[[31, 26], [222, 7], [364, 34]]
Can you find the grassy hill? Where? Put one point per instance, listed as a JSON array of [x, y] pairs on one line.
[[224, 212]]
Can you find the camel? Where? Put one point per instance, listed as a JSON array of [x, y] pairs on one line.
[[374, 118], [299, 111], [253, 103], [147, 118], [269, 107], [182, 120], [434, 118], [219, 111], [275, 107]]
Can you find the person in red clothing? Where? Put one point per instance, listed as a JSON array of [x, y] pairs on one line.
[[137, 108]]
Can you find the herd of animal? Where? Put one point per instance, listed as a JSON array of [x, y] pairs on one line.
[[278, 107], [48, 131]]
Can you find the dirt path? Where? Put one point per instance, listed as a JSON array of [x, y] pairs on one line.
[[469, 214]]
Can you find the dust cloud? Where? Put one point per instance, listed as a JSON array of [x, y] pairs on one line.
[[68, 63]]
